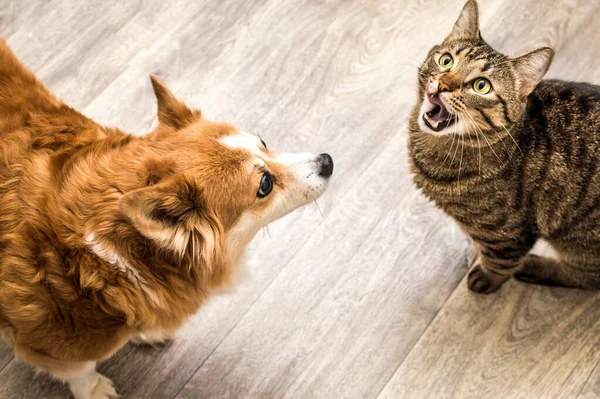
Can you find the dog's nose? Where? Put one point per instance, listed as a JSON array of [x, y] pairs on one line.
[[326, 165]]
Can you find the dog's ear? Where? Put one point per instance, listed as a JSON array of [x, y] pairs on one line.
[[171, 111], [173, 214]]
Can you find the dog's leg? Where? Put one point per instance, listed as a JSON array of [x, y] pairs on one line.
[[155, 339], [85, 382]]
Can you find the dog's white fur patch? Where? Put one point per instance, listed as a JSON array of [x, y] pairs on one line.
[[246, 141], [241, 234], [152, 338], [112, 257], [115, 259]]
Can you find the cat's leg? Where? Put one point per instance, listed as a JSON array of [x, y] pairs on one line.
[[566, 272], [495, 266]]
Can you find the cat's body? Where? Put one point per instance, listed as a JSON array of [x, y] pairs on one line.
[[528, 169]]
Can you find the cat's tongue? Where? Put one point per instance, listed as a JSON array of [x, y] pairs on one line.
[[443, 114], [434, 98], [439, 113]]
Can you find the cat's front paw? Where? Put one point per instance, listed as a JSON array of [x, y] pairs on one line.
[[483, 283]]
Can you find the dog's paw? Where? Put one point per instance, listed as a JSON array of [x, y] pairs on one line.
[[482, 283], [95, 386], [104, 389], [153, 339]]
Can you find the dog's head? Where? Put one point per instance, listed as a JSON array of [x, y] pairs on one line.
[[210, 188]]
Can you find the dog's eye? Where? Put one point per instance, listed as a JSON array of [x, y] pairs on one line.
[[266, 185], [264, 144]]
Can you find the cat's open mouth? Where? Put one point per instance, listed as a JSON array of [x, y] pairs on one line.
[[439, 118]]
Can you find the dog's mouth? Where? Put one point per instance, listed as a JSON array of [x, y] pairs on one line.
[[439, 118]]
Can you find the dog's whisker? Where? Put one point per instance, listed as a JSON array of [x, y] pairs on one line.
[[317, 205]]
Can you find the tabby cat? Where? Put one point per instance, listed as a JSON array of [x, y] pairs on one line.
[[511, 158]]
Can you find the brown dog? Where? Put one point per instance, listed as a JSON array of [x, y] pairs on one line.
[[106, 237]]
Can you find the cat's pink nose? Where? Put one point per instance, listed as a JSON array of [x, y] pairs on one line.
[[434, 97]]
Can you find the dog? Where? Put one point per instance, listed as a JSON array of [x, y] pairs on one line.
[[107, 238]]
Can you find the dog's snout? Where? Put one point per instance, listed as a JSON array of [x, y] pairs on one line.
[[325, 165]]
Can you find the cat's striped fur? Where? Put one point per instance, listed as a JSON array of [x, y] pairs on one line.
[[524, 166]]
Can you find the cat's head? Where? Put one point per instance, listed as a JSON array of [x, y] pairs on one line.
[[465, 86]]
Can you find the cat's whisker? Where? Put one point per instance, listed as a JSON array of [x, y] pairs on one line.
[[502, 140], [470, 138], [462, 147], [478, 130], [455, 151], [479, 147], [447, 153], [470, 134], [416, 60], [513, 139], [483, 135], [411, 65], [462, 112]]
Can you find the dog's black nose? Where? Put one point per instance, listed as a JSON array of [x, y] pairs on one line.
[[326, 165]]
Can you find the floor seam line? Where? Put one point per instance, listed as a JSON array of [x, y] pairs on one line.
[[425, 329]]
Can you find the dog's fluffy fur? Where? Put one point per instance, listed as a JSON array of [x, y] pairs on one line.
[[107, 237]]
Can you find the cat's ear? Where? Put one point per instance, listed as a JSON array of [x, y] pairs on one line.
[[467, 24], [171, 111], [531, 67]]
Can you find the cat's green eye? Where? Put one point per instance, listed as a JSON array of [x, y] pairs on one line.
[[482, 86], [446, 61]]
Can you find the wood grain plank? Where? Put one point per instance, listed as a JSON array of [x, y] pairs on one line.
[[103, 37], [591, 390], [523, 342], [335, 303], [19, 381], [57, 34], [6, 355]]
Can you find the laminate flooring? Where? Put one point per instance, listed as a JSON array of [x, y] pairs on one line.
[[364, 297]]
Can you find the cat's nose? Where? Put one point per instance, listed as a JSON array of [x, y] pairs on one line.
[[443, 86]]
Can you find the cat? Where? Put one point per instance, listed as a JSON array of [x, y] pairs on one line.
[[511, 158]]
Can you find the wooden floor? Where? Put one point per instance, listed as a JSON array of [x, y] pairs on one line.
[[366, 299]]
